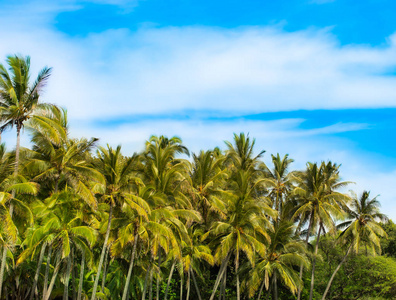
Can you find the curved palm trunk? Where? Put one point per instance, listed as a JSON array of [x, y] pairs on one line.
[[95, 287], [105, 265], [169, 279], [314, 264], [335, 272], [261, 290], [51, 286], [5, 249], [301, 266], [47, 267], [80, 283], [223, 285], [196, 285], [220, 275], [36, 276], [67, 279], [128, 280]]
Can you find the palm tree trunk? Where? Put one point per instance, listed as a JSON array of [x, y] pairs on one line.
[[36, 276], [219, 276], [47, 268], [159, 273], [275, 288], [223, 285], [169, 279], [306, 243], [67, 279], [196, 285], [51, 286], [181, 286], [74, 290], [237, 276], [3, 264], [314, 264], [17, 149], [335, 272], [125, 293], [145, 283], [151, 285], [188, 284], [261, 290], [95, 287], [80, 283], [105, 265], [270, 288]]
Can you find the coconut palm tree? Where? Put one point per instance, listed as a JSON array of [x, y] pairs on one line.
[[364, 229], [245, 226], [279, 181], [284, 252], [12, 187], [55, 160], [241, 153], [118, 172], [207, 180], [193, 253], [320, 203], [19, 101]]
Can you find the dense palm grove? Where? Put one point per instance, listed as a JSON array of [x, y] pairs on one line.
[[83, 221]]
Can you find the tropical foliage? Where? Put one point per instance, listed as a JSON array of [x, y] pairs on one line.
[[84, 221]]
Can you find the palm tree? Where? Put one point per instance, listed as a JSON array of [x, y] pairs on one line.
[[193, 253], [245, 226], [284, 252], [207, 178], [241, 153], [320, 203], [10, 187], [279, 181], [132, 224], [117, 171], [18, 103], [55, 160], [363, 229]]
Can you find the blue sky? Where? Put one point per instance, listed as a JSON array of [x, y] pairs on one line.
[[312, 78]]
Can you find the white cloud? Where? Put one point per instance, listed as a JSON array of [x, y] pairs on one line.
[[245, 70]]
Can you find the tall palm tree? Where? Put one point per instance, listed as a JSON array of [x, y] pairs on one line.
[[118, 172], [320, 203], [18, 103], [245, 226], [363, 229]]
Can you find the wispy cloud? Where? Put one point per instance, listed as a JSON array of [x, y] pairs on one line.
[[244, 70]]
